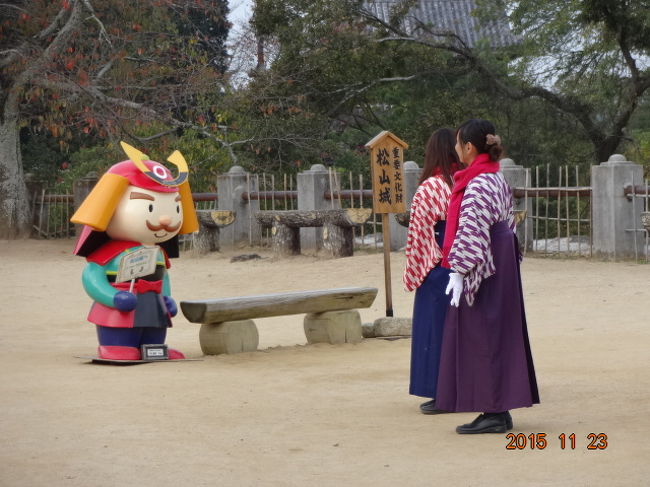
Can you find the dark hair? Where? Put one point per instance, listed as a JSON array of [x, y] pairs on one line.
[[476, 131], [440, 153]]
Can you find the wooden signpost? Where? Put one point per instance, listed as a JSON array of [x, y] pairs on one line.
[[387, 170]]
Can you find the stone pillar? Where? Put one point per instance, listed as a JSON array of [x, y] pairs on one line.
[[312, 185], [515, 176], [612, 212], [80, 190], [230, 187], [398, 233]]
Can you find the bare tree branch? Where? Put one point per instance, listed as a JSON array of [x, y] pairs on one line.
[[10, 56], [102, 29], [8, 5], [566, 103], [351, 93], [38, 64], [627, 55], [104, 69], [49, 30]]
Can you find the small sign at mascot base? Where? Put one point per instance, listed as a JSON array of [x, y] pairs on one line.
[[154, 352]]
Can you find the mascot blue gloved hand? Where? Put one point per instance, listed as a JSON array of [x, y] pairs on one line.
[[170, 304]]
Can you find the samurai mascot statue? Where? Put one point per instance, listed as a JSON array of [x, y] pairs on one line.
[[136, 204]]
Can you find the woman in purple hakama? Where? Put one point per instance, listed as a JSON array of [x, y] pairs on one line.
[[486, 363]]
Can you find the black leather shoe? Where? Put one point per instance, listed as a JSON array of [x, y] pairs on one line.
[[508, 420], [429, 407], [484, 423]]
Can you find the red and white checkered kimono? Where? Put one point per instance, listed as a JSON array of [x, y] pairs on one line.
[[429, 206]]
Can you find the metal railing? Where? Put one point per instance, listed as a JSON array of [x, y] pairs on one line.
[[51, 215], [558, 212], [280, 193]]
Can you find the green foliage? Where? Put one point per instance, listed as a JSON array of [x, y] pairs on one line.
[[88, 80], [331, 65], [84, 161], [42, 156], [204, 158], [335, 82], [628, 18], [637, 148], [334, 87], [562, 95]]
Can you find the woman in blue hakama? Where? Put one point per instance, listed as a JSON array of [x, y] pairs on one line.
[[423, 272], [429, 311]]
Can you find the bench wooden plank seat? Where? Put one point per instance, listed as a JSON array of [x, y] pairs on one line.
[[227, 326], [267, 305]]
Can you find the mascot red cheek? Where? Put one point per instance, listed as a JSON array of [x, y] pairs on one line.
[[136, 204]]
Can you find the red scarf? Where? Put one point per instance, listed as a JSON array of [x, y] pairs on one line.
[[482, 164]]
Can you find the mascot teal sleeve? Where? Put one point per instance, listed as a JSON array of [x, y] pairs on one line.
[[167, 288], [97, 286]]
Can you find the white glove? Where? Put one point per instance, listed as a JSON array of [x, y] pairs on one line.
[[455, 287]]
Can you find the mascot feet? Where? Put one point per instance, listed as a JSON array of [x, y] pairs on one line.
[[175, 354], [118, 352]]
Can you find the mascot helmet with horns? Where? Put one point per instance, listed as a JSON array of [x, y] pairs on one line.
[[97, 210]]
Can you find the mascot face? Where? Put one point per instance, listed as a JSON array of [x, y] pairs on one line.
[[145, 216]]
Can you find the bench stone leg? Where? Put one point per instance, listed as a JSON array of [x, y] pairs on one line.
[[228, 337], [333, 327]]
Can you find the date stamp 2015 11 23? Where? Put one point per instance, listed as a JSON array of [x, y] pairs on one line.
[[539, 441]]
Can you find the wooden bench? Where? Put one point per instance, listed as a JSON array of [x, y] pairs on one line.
[[337, 228], [227, 324]]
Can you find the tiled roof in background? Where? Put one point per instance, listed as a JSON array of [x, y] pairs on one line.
[[448, 15]]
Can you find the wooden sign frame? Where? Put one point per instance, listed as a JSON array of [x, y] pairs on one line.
[[387, 170]]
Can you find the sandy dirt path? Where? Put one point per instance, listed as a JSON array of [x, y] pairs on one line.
[[295, 415]]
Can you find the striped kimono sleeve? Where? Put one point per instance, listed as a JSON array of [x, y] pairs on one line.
[[487, 200], [429, 206]]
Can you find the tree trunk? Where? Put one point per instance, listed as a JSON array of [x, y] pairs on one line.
[[15, 214], [607, 146]]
